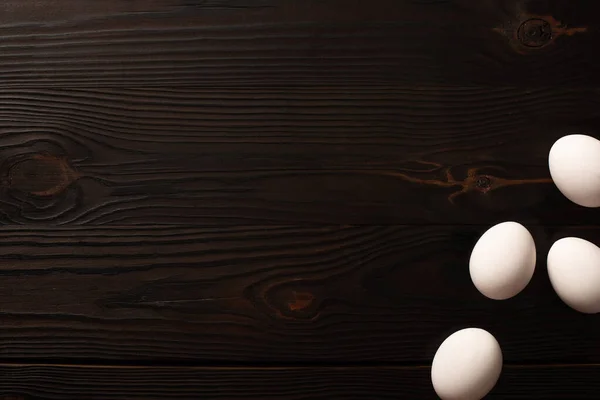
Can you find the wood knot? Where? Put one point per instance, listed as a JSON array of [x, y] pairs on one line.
[[40, 175], [301, 301], [527, 32], [483, 182], [534, 32]]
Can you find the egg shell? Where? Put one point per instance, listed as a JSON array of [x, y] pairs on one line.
[[467, 365], [574, 163], [503, 261], [574, 271]]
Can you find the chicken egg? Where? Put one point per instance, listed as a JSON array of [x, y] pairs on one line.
[[503, 261], [574, 162], [574, 271], [467, 365]]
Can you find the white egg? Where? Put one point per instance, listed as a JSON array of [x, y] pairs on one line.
[[574, 163], [574, 271], [467, 365], [503, 261]]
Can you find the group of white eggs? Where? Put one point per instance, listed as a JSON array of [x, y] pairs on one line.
[[468, 363]]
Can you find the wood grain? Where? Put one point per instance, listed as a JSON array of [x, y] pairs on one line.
[[263, 42], [277, 199], [269, 294], [379, 155], [64, 382]]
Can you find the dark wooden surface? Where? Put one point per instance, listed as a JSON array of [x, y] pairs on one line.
[[290, 42], [272, 294], [64, 382], [375, 155], [278, 198]]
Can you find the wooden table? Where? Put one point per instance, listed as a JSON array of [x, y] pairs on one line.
[[277, 199]]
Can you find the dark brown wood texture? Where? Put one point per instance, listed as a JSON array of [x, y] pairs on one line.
[[291, 42], [388, 155], [278, 198], [63, 382], [271, 294]]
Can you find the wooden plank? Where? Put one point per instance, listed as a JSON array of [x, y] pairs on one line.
[[64, 382], [272, 294], [261, 42], [379, 155]]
